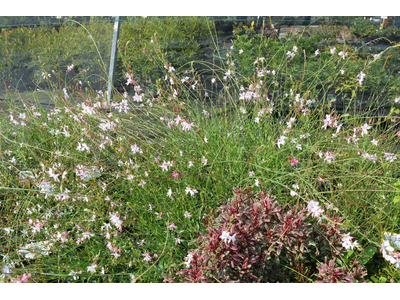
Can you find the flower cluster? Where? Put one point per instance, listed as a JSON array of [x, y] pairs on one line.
[[388, 251]]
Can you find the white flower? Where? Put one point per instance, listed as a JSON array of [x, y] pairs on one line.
[[370, 157], [169, 193], [224, 236], [114, 218], [8, 230], [391, 157], [188, 259], [281, 141], [82, 147], [107, 125], [106, 226], [147, 257], [177, 119], [327, 122], [232, 238], [386, 247], [186, 126], [365, 129], [92, 268], [290, 54], [206, 113], [74, 275], [293, 194], [166, 165], [256, 182], [135, 149], [227, 238], [187, 215], [86, 235], [375, 142], [342, 54], [347, 243], [191, 191], [314, 208]]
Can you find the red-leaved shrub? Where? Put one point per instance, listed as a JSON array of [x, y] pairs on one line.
[[254, 239], [328, 273]]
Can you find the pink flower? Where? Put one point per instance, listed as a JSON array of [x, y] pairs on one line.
[[70, 68], [329, 156], [175, 175], [24, 279], [293, 161], [172, 226]]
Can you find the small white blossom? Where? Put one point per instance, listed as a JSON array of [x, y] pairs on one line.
[[191, 191], [92, 268]]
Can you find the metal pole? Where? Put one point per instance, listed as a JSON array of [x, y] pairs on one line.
[[113, 60]]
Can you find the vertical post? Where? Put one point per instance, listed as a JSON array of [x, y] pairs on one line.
[[113, 60]]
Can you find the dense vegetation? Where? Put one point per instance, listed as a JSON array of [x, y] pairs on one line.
[[244, 171]]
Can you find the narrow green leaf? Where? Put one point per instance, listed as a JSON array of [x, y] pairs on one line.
[[349, 253], [367, 255], [374, 279]]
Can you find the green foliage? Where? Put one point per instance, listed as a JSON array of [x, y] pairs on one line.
[[180, 41], [32, 51], [363, 27], [45, 49], [168, 162], [322, 71]]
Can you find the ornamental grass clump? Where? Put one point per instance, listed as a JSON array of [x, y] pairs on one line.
[[255, 239]]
